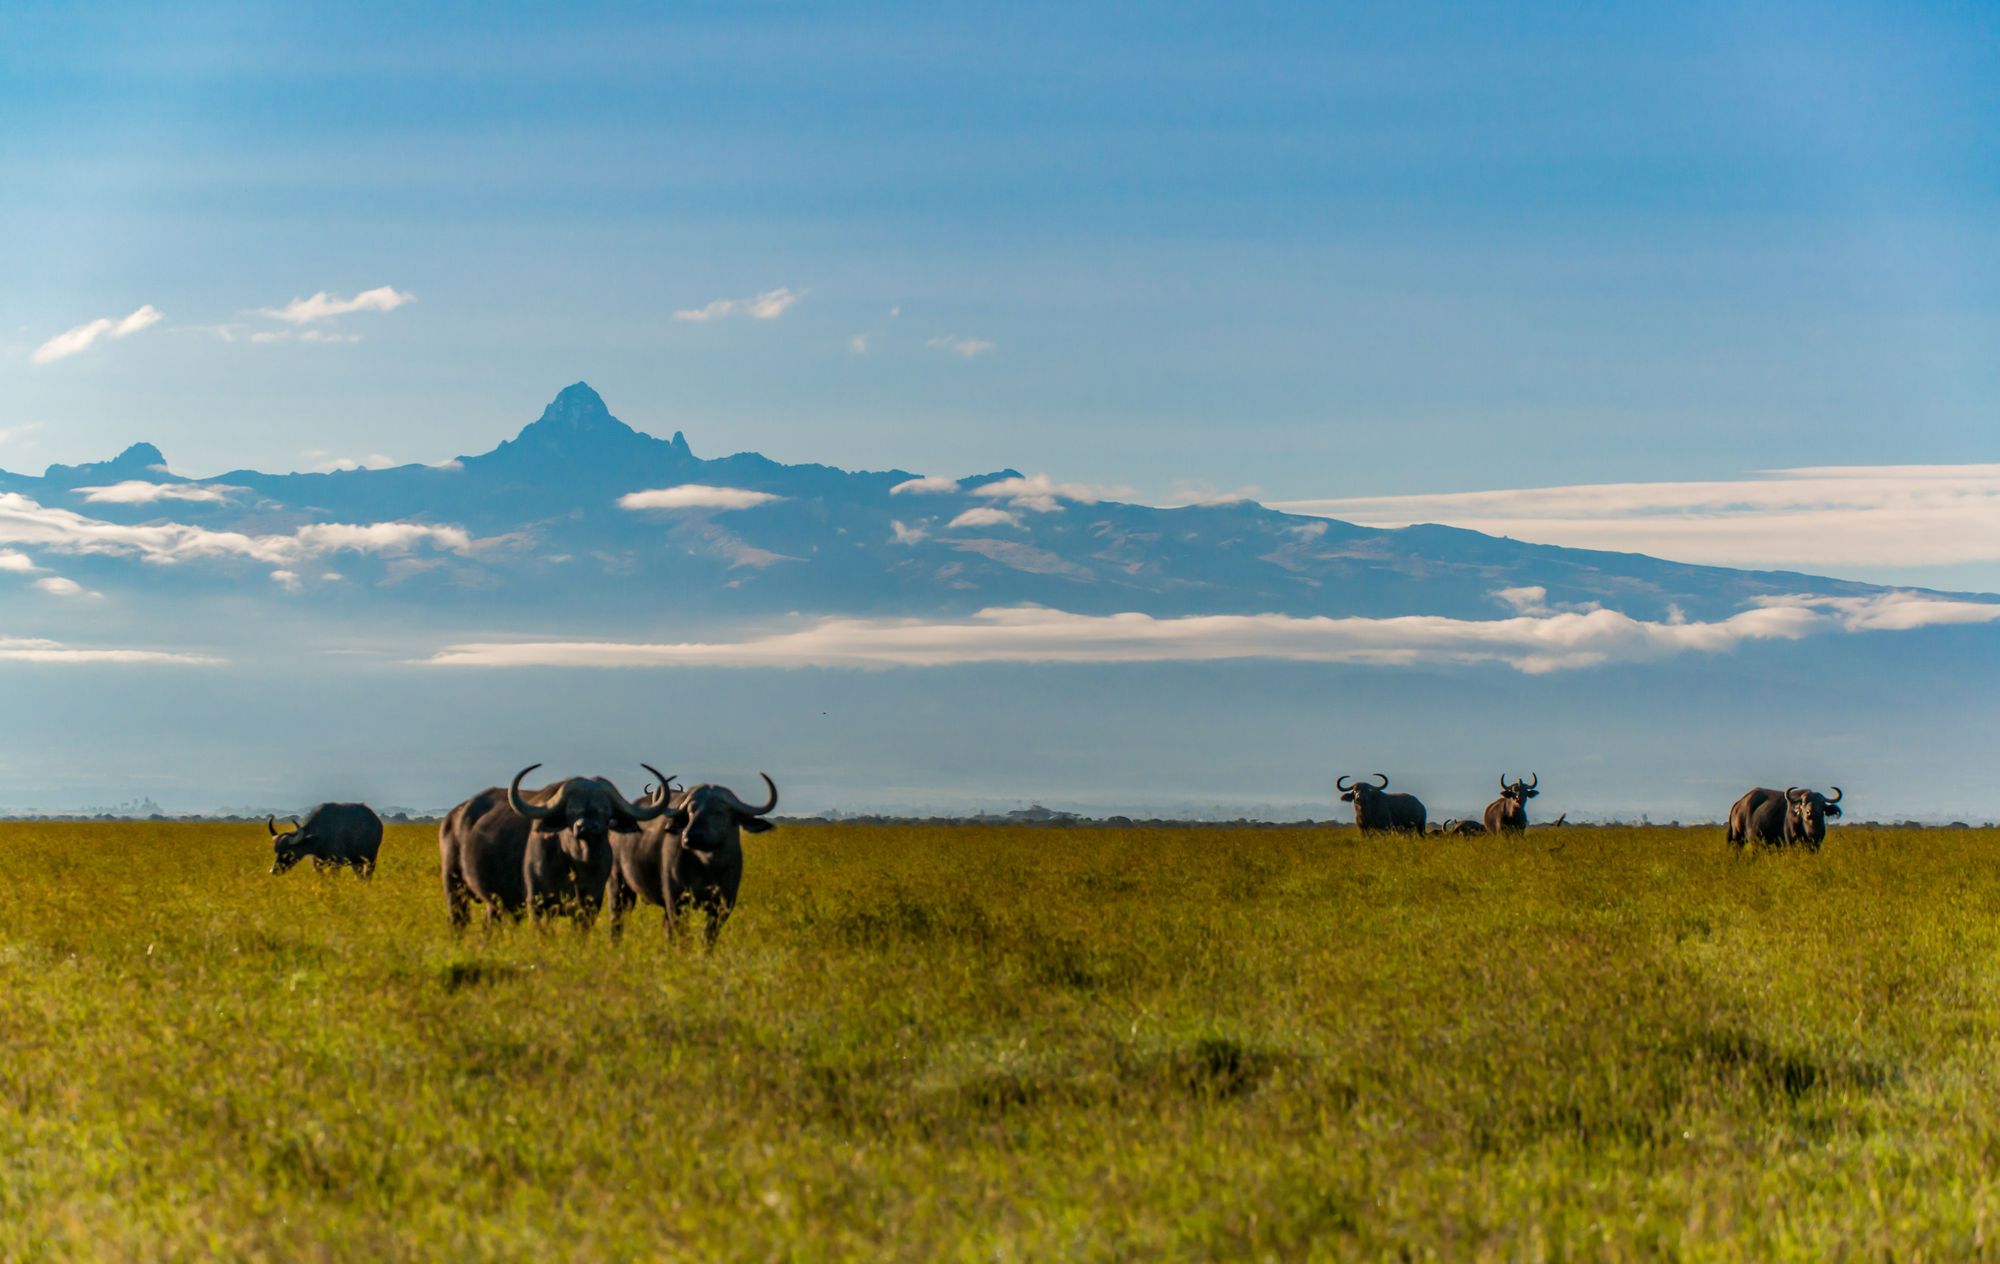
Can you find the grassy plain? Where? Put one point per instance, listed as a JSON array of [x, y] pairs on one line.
[[1014, 1043]]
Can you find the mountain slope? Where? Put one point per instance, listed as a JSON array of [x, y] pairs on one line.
[[538, 519]]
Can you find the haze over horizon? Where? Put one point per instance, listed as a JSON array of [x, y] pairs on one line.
[[1172, 328]]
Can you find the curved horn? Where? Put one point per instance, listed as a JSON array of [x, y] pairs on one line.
[[271, 823], [1340, 783], [1503, 782], [525, 808], [1792, 794], [1836, 797], [1384, 778], [740, 806], [636, 812], [1534, 779]]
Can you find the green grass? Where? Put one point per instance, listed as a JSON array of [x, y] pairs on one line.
[[1017, 1044]]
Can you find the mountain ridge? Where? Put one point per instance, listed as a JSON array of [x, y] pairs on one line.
[[556, 511]]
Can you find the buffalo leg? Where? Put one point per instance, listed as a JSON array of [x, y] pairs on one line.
[[457, 899], [621, 899]]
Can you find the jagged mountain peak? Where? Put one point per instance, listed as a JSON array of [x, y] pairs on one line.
[[141, 460], [578, 427]]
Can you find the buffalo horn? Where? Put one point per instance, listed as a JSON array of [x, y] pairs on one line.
[[1340, 783], [1836, 796], [527, 809], [1384, 778]]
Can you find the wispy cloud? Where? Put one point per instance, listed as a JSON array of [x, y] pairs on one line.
[[15, 434], [769, 305], [695, 496], [16, 649], [967, 347], [325, 306], [1042, 494], [1819, 517], [904, 534], [858, 344], [1188, 495], [1031, 634], [325, 462], [73, 341], [57, 586], [985, 516], [301, 335], [929, 485], [139, 492], [24, 521]]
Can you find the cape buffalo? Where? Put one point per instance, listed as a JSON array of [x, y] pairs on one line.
[[543, 851], [1795, 816], [1374, 810], [1509, 813], [690, 858], [333, 834], [1463, 829]]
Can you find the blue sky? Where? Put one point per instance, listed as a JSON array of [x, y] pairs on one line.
[[1323, 251], [1724, 277]]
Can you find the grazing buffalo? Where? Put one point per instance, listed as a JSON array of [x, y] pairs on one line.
[[1463, 829], [1374, 809], [691, 858], [1508, 814], [332, 835], [1785, 819], [543, 851]]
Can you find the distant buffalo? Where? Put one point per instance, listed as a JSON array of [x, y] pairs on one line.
[[1463, 829], [332, 835], [543, 851], [1508, 814], [1375, 810], [691, 858], [1793, 817]]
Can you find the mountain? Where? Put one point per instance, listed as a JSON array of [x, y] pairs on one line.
[[598, 524]]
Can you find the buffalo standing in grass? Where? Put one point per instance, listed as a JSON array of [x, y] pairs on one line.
[[1794, 817], [1376, 810], [691, 858], [332, 835], [1508, 814], [543, 851], [1463, 829]]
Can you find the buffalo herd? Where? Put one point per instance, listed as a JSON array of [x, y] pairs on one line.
[[572, 845]]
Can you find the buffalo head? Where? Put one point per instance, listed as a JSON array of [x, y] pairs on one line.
[[286, 847], [1519, 791], [1361, 792], [583, 811], [1806, 812], [708, 817]]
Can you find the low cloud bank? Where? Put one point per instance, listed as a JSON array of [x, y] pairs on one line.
[[1820, 517], [136, 491], [24, 521], [695, 496], [1536, 644], [17, 649]]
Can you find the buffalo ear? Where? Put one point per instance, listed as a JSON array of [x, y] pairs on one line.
[[757, 824]]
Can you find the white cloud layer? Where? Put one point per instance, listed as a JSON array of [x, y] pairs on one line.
[[57, 586], [18, 649], [1042, 494], [325, 306], [695, 496], [17, 562], [1819, 518], [72, 341], [769, 305], [24, 521], [134, 491], [929, 485], [967, 347], [985, 516], [1534, 644]]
